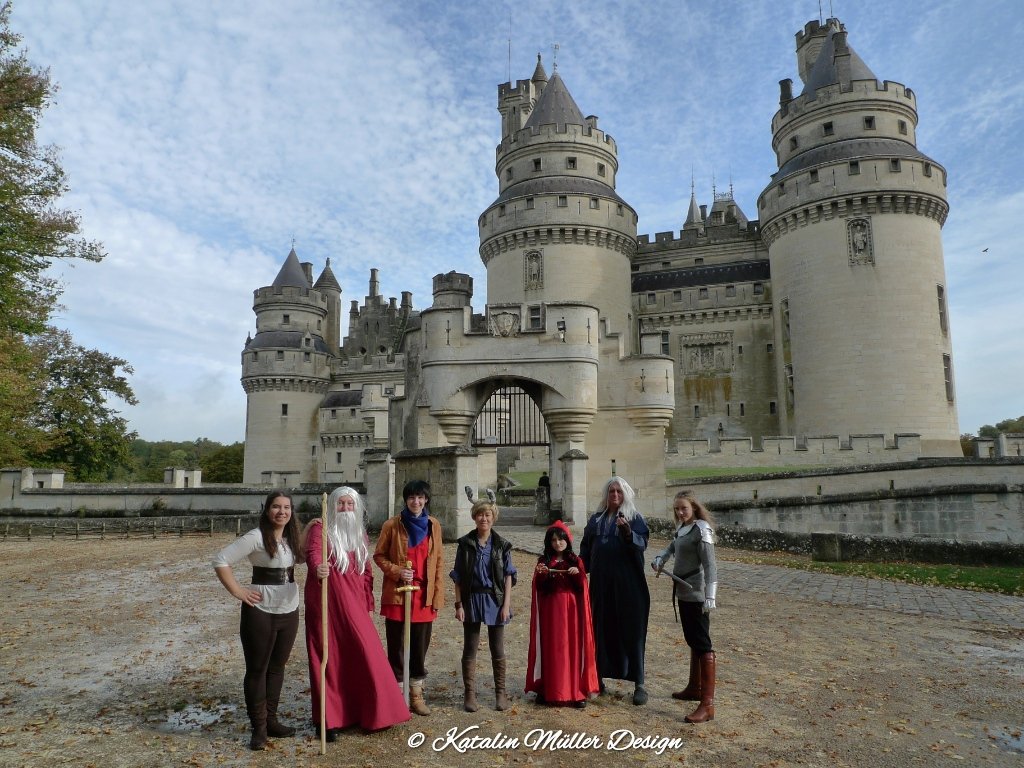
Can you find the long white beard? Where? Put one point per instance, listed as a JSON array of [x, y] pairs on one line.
[[348, 542]]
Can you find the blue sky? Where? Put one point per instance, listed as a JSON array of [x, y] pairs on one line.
[[201, 138]]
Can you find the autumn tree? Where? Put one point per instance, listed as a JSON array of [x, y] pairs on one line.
[[41, 370]]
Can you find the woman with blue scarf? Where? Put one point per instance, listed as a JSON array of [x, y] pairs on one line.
[[411, 536]]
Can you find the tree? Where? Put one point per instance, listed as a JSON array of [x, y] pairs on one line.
[[84, 434], [53, 393], [1003, 427], [224, 465]]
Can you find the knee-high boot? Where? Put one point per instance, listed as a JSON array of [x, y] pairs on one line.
[[469, 682], [706, 709], [275, 728], [692, 690], [500, 699], [258, 720]]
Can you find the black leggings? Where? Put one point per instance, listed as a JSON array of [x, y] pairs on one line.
[[696, 626], [419, 643], [471, 640], [267, 640]]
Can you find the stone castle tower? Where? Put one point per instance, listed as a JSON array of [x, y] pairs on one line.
[[852, 222]]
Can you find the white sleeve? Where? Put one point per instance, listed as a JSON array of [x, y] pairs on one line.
[[241, 547]]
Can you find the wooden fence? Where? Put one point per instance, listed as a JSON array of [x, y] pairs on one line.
[[127, 528]]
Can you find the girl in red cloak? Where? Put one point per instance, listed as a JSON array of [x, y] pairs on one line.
[[561, 668]]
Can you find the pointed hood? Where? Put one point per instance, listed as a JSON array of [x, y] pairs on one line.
[[825, 70], [555, 106], [327, 279], [291, 273]]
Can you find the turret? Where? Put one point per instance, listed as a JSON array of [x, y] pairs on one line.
[[558, 230], [852, 221]]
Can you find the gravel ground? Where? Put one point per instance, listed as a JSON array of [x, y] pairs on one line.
[[125, 653]]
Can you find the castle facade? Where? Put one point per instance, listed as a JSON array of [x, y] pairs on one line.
[[824, 315]]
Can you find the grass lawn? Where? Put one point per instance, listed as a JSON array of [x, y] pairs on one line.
[[1004, 580]]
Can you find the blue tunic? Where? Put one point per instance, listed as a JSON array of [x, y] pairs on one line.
[[480, 604]]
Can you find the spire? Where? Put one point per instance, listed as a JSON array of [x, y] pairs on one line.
[[539, 75], [837, 62], [555, 106], [291, 273], [693, 219], [327, 279]]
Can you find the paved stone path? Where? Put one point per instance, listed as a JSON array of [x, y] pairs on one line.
[[839, 590]]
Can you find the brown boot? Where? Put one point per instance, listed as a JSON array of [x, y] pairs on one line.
[[500, 699], [417, 704], [469, 681], [275, 727], [706, 709], [692, 690], [258, 720]]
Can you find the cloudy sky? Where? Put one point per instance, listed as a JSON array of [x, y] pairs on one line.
[[201, 138]]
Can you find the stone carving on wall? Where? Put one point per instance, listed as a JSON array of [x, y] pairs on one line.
[[706, 353], [533, 270], [859, 236], [503, 324]]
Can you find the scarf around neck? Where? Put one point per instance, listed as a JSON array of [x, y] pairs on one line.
[[416, 526]]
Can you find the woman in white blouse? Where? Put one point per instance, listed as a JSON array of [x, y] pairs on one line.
[[270, 610]]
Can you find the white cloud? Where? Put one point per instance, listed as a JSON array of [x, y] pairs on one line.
[[200, 138]]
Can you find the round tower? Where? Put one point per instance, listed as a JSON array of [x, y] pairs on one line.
[[285, 374], [852, 220], [557, 231]]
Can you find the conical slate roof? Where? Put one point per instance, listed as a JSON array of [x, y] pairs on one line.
[[555, 106], [693, 214], [824, 71], [539, 75], [327, 279], [291, 273]]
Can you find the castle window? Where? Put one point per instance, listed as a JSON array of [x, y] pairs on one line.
[[652, 298], [814, 175], [739, 350], [634, 267], [286, 319], [595, 203], [947, 372], [305, 357], [827, 128], [346, 385], [600, 169], [927, 169], [307, 342], [536, 164], [570, 163], [619, 209], [793, 143], [770, 348], [535, 318], [352, 412], [782, 188], [529, 203], [677, 295], [894, 164], [334, 413], [501, 210], [696, 411], [743, 409], [702, 293], [869, 123], [942, 308], [664, 343], [666, 264], [772, 408], [389, 391], [854, 167], [279, 355], [284, 409], [903, 127], [758, 289], [563, 201], [318, 324], [698, 260], [313, 452], [730, 290], [728, 410], [337, 457]]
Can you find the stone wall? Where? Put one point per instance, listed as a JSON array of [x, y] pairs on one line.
[[788, 451]]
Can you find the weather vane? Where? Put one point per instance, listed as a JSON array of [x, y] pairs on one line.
[[554, 57]]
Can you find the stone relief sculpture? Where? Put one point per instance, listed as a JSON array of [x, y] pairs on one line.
[[859, 235], [706, 353], [533, 264], [503, 324]]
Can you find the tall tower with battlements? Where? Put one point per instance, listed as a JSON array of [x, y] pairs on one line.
[[852, 220], [286, 370]]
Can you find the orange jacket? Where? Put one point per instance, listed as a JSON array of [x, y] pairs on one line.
[[390, 557]]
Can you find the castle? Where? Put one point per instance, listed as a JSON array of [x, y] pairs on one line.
[[824, 316]]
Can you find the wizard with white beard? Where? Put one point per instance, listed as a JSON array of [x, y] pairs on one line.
[[361, 688]]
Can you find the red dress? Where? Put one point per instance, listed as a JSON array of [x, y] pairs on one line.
[[561, 665], [361, 688]]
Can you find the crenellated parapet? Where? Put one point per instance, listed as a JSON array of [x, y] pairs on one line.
[[253, 384], [507, 242], [565, 133]]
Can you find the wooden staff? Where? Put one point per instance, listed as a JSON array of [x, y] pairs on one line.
[[323, 628]]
